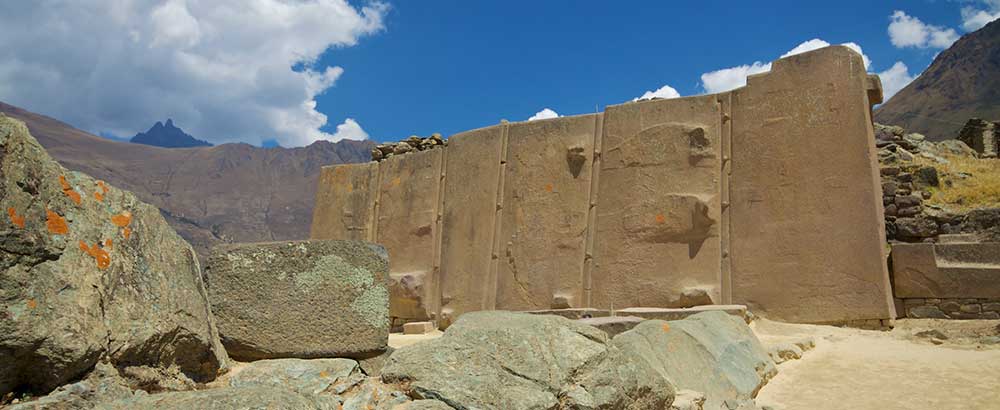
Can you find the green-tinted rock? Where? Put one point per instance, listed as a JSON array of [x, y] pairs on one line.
[[88, 271], [713, 353], [303, 376], [504, 360], [251, 398], [308, 299]]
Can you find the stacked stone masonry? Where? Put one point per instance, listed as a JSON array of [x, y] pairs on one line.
[[981, 136], [952, 308], [948, 280], [640, 205]]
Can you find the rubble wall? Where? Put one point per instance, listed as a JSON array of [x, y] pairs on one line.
[[767, 195]]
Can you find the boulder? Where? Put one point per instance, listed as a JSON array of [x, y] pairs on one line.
[[307, 377], [712, 352], [505, 360], [103, 384], [308, 299], [613, 325], [90, 272], [916, 227], [259, 397]]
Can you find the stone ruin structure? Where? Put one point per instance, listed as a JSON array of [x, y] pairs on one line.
[[981, 136], [767, 195]]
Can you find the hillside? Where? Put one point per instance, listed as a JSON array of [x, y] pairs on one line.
[[963, 82], [226, 193]]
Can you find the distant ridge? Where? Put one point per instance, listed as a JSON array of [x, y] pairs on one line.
[[168, 136], [963, 82], [210, 195]]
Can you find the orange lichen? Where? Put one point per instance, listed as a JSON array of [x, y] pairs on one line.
[[55, 223], [99, 195], [549, 187], [126, 232], [666, 327], [104, 188], [107, 243], [324, 373], [100, 256], [69, 191], [15, 219], [122, 220], [660, 219], [31, 304]]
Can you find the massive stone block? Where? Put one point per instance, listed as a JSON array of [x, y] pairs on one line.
[[807, 231], [345, 202], [409, 195], [543, 230], [472, 179], [309, 299], [766, 196], [658, 215], [89, 273], [946, 270]]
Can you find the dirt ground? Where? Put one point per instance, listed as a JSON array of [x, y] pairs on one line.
[[921, 364]]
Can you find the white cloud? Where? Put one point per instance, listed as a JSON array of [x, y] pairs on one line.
[[729, 78], [734, 77], [895, 78], [544, 114], [222, 69], [974, 19], [663, 92], [350, 130], [908, 31]]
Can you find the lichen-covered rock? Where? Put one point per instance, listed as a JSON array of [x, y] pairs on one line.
[[308, 299], [259, 397], [87, 271], [303, 376], [711, 352], [504, 360], [103, 384]]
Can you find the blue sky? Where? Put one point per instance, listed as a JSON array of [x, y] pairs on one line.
[[298, 71], [448, 66]]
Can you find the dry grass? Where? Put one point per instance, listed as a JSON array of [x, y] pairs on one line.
[[958, 193]]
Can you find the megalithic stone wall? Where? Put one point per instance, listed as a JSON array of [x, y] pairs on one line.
[[766, 195]]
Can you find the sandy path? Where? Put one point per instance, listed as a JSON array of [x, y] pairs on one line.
[[856, 369]]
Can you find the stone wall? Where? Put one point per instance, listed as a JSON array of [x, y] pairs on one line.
[[640, 205], [952, 308], [982, 136]]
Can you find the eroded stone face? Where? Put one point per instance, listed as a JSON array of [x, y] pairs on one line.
[[90, 272], [308, 299]]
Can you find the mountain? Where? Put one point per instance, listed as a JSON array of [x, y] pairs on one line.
[[210, 195], [168, 136], [963, 82]]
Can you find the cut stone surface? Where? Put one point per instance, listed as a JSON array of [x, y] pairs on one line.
[[573, 313], [87, 271], [613, 325], [307, 377], [946, 270], [712, 352], [495, 359], [418, 328], [308, 299], [677, 314]]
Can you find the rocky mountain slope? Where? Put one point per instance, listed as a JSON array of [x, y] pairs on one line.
[[226, 193], [168, 136], [963, 82]]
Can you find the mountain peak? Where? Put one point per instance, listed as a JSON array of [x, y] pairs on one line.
[[961, 83], [168, 136]]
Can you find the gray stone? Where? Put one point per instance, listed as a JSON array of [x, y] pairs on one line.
[[926, 312], [917, 227], [971, 308], [950, 306], [258, 397], [688, 400], [424, 405], [613, 325], [928, 175], [677, 314], [372, 366], [307, 299], [90, 272], [784, 352], [308, 377], [101, 385], [991, 307], [712, 352], [907, 201], [495, 359]]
